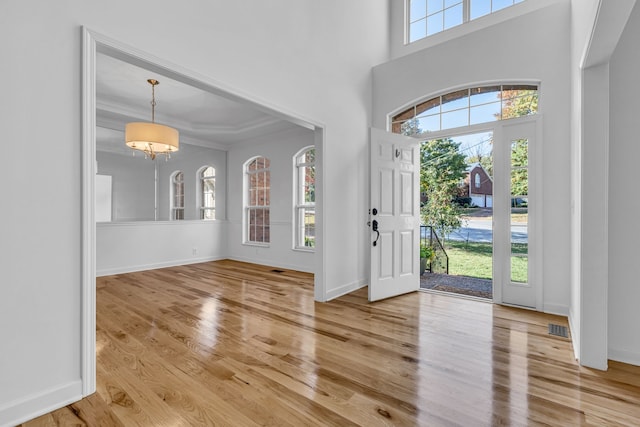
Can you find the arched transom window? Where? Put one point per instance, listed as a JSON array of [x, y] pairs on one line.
[[207, 193], [467, 107], [258, 186]]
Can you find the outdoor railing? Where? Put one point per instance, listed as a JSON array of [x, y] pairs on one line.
[[440, 262]]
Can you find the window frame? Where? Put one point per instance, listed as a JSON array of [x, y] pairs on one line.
[[466, 16], [176, 213], [300, 205], [250, 208], [202, 195]]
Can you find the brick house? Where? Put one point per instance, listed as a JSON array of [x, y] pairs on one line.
[[478, 185]]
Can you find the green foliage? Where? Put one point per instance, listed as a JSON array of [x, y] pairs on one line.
[[427, 252], [518, 103], [442, 169], [519, 174], [474, 259]]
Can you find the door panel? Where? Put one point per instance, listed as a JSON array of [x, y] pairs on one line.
[[395, 215]]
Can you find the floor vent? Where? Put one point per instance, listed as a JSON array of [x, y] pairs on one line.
[[277, 271], [558, 330]]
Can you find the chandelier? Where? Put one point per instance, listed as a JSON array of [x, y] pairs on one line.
[[152, 138]]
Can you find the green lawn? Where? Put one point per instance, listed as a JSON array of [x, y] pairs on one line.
[[475, 260]]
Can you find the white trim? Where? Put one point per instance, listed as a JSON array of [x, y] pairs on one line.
[[346, 289], [557, 309], [296, 227], [269, 263], [93, 42], [88, 292], [624, 356], [40, 403]]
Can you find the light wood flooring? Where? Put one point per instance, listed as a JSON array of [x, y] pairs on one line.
[[234, 344]]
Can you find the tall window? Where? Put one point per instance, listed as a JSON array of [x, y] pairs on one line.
[[467, 107], [207, 193], [177, 195], [428, 17], [305, 198], [257, 184]]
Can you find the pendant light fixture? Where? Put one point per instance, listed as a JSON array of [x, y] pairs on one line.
[[152, 138]]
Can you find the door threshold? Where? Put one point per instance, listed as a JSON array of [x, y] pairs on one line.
[[455, 295]]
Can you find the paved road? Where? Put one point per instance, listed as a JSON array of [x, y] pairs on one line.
[[480, 231]]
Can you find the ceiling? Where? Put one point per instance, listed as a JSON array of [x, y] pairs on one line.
[[203, 118]]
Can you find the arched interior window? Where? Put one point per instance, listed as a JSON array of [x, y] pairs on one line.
[[258, 185], [467, 107], [177, 195], [305, 198], [207, 193]]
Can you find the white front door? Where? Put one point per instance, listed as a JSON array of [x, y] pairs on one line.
[[394, 215], [515, 209]]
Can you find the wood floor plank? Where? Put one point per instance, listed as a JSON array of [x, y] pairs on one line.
[[235, 344]]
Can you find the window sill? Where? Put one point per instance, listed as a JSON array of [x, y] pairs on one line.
[[308, 250], [257, 244]]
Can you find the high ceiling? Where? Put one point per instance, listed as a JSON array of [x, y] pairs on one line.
[[203, 118]]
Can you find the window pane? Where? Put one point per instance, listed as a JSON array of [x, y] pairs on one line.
[[479, 8], [453, 16], [500, 4], [519, 189], [484, 113], [431, 106], [429, 123], [455, 100], [417, 30], [455, 119], [434, 6], [483, 95], [417, 9], [435, 23], [449, 3]]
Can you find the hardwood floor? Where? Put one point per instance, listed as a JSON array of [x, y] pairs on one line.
[[235, 344]]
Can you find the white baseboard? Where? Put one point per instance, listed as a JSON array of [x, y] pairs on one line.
[[346, 289], [624, 356], [30, 407], [271, 264], [174, 263]]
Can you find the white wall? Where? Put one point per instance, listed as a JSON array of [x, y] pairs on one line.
[[279, 148], [310, 58], [624, 203], [583, 14], [496, 54], [132, 186], [123, 247], [596, 30]]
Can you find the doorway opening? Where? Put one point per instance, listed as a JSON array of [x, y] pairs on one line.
[[457, 214]]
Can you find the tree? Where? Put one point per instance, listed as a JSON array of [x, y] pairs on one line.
[[519, 103], [519, 162], [442, 169]]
